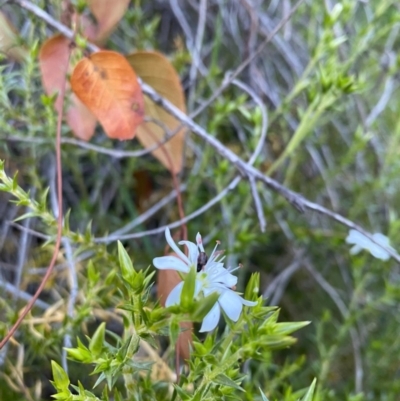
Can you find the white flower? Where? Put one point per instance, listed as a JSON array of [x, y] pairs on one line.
[[361, 242], [213, 277]]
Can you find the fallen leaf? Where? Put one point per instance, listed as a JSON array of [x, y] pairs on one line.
[[107, 15], [155, 69], [9, 40], [80, 119], [107, 85], [53, 61]]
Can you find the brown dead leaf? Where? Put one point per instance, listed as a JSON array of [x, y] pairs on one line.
[[107, 15], [155, 69], [53, 60], [108, 86]]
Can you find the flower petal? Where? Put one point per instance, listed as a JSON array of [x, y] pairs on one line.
[[211, 320], [170, 263], [212, 288], [197, 288], [199, 242], [376, 250], [174, 297], [193, 251], [218, 274], [231, 303], [248, 303], [229, 280], [355, 249], [360, 242], [356, 238], [175, 247]]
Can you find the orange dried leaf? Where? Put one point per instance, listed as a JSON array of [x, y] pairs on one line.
[[80, 119], [53, 60], [107, 15], [9, 40], [155, 69], [108, 86]]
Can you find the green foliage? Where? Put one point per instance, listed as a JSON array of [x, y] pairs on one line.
[[214, 366]]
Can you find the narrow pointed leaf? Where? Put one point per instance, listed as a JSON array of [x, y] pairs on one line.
[[61, 379], [226, 381], [97, 341], [125, 263], [263, 397], [310, 393], [187, 296]]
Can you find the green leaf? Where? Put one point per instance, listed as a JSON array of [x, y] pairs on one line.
[[189, 285], [92, 273], [226, 381], [97, 341], [129, 348], [310, 393], [203, 306], [182, 393], [117, 396], [174, 330], [289, 327], [14, 181], [199, 348], [133, 346], [75, 354], [61, 380], [43, 197], [253, 287], [99, 379], [127, 270]]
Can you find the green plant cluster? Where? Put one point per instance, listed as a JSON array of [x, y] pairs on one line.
[[213, 371]]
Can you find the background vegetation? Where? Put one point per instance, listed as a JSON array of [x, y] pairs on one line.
[[328, 81]]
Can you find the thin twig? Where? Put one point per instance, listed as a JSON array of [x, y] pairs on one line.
[[231, 76], [177, 223], [117, 153], [148, 213], [12, 289], [257, 204], [29, 230], [273, 293]]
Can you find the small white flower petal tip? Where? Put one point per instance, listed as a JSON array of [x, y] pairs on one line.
[[360, 242]]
